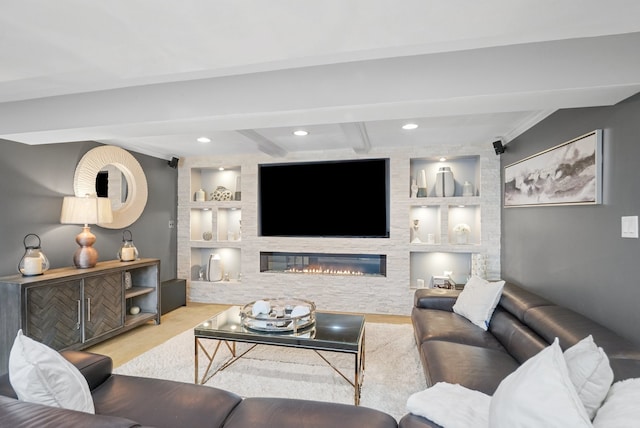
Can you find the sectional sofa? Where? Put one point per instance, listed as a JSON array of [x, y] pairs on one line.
[[128, 401], [455, 351]]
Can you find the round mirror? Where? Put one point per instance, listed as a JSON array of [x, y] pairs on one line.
[[128, 197]]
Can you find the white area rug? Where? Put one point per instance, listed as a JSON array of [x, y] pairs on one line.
[[392, 369]]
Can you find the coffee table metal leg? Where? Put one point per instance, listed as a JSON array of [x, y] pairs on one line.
[[211, 356]]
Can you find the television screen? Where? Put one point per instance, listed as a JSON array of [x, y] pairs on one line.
[[348, 198]]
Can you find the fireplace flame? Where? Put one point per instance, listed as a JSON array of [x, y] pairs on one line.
[[319, 270]]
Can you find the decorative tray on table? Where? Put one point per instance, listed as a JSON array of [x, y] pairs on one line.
[[278, 314]]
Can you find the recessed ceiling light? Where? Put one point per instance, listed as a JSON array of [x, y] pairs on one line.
[[203, 140], [442, 159], [300, 133], [221, 168], [409, 126]]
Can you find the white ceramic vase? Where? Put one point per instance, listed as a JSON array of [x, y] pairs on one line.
[[214, 268], [445, 186]]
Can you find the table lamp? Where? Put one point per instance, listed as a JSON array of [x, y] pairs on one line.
[[85, 210]]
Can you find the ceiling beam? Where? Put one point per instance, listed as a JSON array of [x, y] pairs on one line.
[[264, 145]]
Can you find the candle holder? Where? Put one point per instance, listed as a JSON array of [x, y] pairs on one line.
[[33, 262], [128, 252]]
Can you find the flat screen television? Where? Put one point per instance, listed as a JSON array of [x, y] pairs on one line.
[[345, 198]]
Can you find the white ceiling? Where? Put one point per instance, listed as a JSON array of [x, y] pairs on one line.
[[151, 76]]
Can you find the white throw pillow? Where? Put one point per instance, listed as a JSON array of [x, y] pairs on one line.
[[451, 405], [590, 373], [478, 300], [620, 408], [38, 374], [538, 394]]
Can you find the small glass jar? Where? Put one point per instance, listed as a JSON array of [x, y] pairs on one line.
[[33, 262], [128, 252]]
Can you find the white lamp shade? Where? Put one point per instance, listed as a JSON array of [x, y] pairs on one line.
[[87, 210]]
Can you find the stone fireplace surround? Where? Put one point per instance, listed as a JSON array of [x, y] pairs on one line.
[[390, 294]]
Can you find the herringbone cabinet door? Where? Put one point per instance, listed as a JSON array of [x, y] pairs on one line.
[[52, 314], [104, 304]]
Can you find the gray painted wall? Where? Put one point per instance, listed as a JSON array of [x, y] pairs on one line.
[[574, 255], [33, 181]]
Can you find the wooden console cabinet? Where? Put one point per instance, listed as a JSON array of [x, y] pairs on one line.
[[71, 308]]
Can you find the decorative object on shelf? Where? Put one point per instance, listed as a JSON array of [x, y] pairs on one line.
[[415, 239], [422, 184], [214, 268], [467, 189], [201, 274], [199, 196], [445, 185], [443, 281], [127, 280], [128, 252], [85, 210], [237, 196], [414, 188], [478, 265], [33, 262], [134, 310], [461, 232], [431, 238], [221, 194], [419, 283], [207, 236]]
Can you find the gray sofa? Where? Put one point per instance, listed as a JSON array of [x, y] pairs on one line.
[[129, 401], [454, 350]]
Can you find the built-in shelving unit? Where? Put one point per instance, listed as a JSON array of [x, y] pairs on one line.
[[445, 231]]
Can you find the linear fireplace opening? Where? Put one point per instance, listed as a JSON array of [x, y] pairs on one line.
[[324, 263]]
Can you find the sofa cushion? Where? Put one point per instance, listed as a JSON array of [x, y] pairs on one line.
[[259, 412], [517, 301], [163, 403], [442, 325], [478, 300], [571, 327], [518, 339], [538, 394], [39, 374], [15, 413], [474, 367]]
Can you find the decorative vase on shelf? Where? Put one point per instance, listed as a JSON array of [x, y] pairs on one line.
[[415, 238], [214, 268], [199, 196], [221, 194], [422, 184], [445, 186], [467, 189]]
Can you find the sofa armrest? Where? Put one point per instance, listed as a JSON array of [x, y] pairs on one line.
[[435, 298], [94, 367]]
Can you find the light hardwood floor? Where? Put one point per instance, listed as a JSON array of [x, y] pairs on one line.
[[129, 345]]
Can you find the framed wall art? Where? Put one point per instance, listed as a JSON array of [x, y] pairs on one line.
[[567, 174]]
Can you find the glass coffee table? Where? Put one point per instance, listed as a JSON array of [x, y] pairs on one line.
[[343, 333]]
